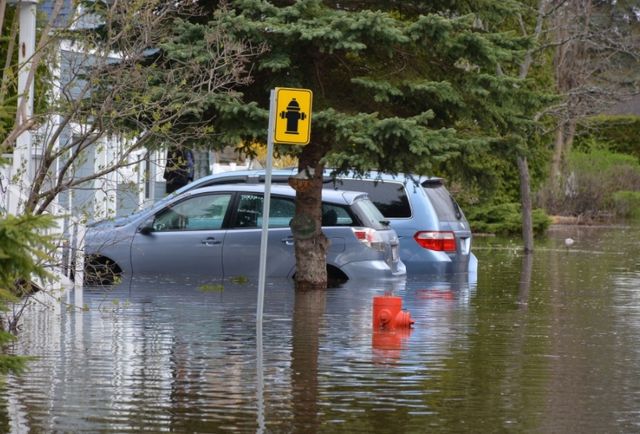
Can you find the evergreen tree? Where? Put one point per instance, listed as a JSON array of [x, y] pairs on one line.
[[22, 250]]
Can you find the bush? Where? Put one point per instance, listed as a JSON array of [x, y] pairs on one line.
[[612, 132], [592, 182], [626, 204], [505, 219]]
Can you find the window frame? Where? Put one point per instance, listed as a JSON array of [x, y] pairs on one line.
[[232, 214], [339, 184], [169, 207]]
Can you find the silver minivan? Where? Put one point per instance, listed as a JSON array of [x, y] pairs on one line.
[[435, 237], [216, 232]]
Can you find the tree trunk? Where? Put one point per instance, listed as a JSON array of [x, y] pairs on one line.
[[562, 147], [525, 200], [569, 136], [556, 159], [523, 165], [310, 243]]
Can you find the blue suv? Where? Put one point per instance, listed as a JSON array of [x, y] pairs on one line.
[[435, 237]]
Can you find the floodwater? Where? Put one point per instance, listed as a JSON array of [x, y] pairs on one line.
[[545, 343]]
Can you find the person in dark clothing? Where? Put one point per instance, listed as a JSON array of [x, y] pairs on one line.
[[180, 168]]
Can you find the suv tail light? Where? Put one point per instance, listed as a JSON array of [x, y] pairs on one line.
[[435, 240], [369, 237]]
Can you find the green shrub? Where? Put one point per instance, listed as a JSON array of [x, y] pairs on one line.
[[602, 160], [590, 184], [627, 204], [614, 133], [505, 219]]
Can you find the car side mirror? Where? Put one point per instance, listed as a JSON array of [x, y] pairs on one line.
[[147, 227]]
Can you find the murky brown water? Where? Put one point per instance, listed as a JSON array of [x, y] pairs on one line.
[[549, 343]]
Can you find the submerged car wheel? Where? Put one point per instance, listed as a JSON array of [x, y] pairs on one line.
[[335, 276], [99, 270]]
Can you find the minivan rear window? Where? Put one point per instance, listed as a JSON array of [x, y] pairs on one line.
[[369, 214], [390, 197], [445, 205]]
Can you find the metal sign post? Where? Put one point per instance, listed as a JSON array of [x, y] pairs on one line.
[[262, 270]]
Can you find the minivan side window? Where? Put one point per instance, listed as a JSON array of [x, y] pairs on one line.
[[390, 197]]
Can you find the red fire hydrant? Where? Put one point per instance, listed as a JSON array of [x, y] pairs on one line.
[[388, 313]]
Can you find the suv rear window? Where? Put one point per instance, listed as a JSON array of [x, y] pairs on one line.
[[390, 197], [445, 205], [335, 215]]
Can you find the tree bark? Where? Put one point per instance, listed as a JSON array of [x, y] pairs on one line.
[[525, 200], [310, 243], [569, 136], [563, 142], [556, 159]]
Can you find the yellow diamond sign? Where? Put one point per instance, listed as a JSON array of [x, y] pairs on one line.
[[293, 116]]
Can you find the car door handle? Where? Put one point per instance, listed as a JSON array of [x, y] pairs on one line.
[[287, 241], [210, 241]]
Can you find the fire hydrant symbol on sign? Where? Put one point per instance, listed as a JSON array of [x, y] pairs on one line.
[[293, 115]]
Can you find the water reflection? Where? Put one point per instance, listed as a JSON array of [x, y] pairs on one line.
[[545, 342], [308, 313], [388, 344], [525, 280]]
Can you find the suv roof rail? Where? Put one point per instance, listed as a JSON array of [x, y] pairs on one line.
[[281, 178]]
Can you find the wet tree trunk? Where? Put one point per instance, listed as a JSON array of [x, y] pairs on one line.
[[310, 243]]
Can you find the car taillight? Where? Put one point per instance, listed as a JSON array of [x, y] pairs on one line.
[[434, 240], [370, 237]]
